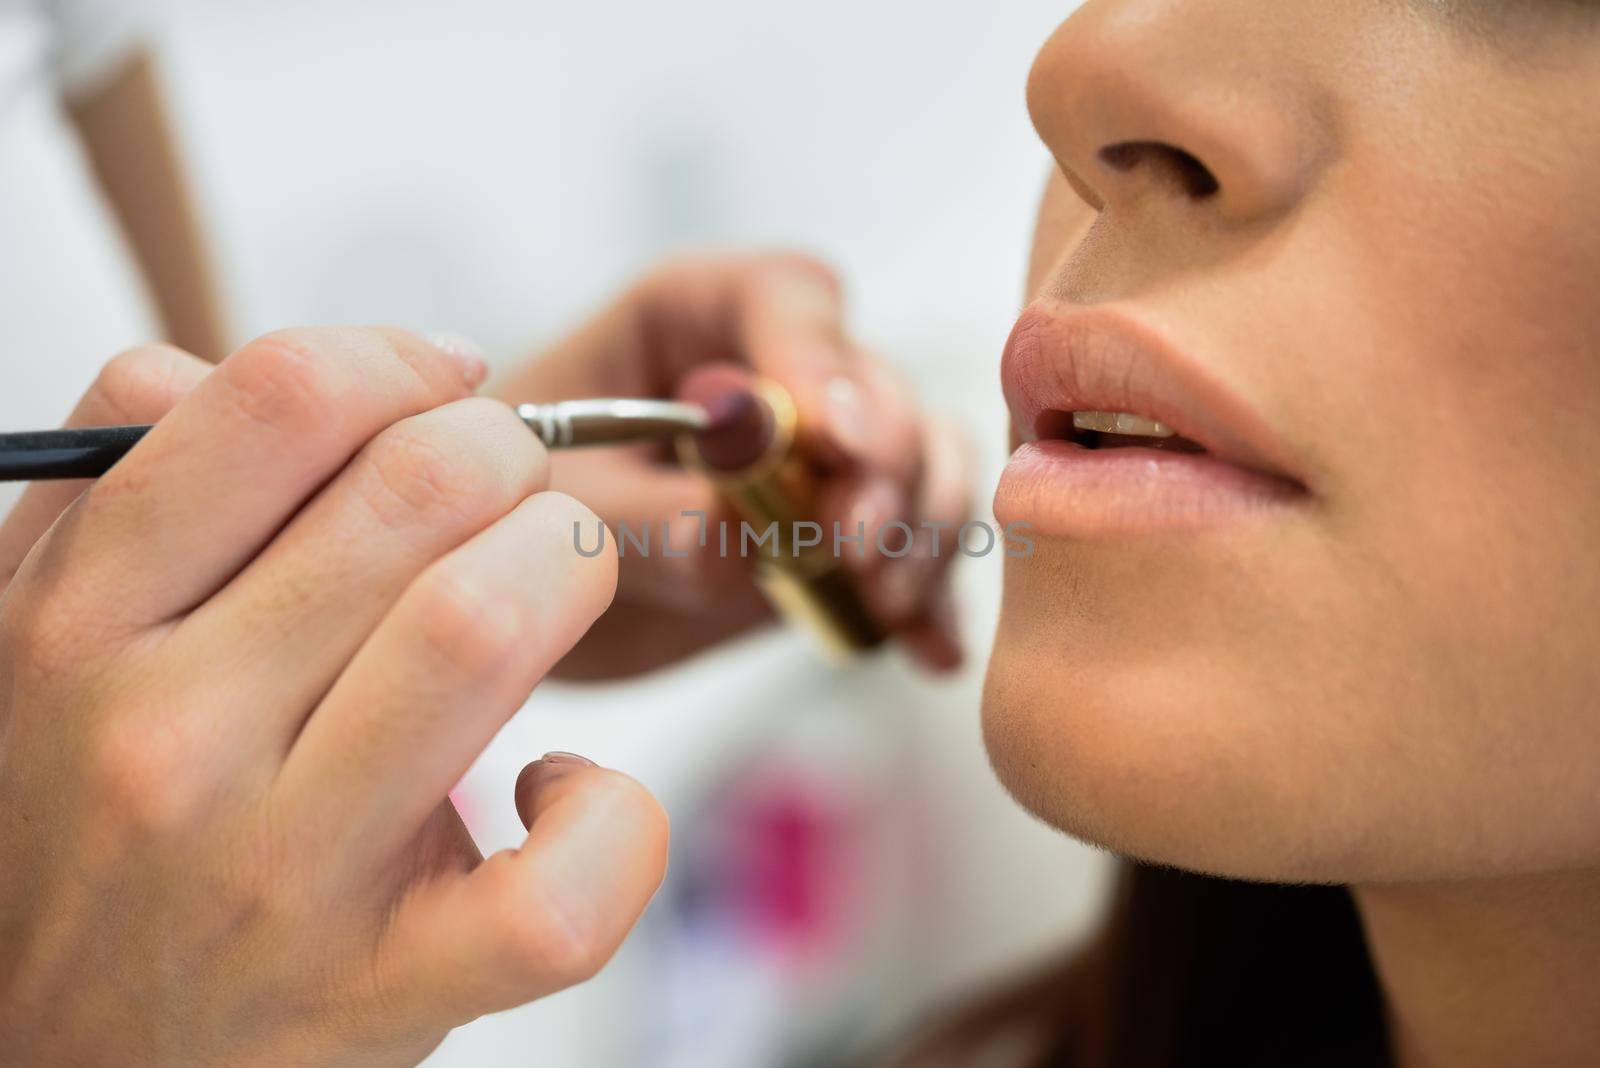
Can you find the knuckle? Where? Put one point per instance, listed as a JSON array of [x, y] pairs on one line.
[[142, 783], [136, 385], [426, 369], [282, 381], [470, 625], [415, 476], [555, 938], [551, 942], [35, 643], [44, 635], [466, 464]]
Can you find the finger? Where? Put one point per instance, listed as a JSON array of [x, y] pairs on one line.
[[780, 314], [906, 585], [852, 409], [531, 921], [874, 399], [139, 386], [455, 658], [669, 525], [883, 485], [789, 318], [216, 479], [886, 486], [684, 313], [418, 490], [869, 508], [932, 640]]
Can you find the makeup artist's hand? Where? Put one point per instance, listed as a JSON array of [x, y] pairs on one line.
[[883, 461], [238, 677]]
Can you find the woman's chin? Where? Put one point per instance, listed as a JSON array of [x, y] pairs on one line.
[[1146, 758]]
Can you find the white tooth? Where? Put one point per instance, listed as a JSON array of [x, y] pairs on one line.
[[1122, 423], [1139, 425], [1104, 422]]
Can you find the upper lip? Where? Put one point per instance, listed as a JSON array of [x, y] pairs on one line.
[[1063, 359]]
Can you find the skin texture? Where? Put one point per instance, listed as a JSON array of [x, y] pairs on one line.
[[1391, 682], [227, 734]]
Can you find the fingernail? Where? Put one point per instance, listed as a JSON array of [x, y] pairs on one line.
[[846, 414], [567, 758], [466, 353]]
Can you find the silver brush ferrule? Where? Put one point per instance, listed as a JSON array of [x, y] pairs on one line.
[[607, 421]]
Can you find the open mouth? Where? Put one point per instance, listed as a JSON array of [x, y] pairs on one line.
[[1123, 434], [1112, 430]]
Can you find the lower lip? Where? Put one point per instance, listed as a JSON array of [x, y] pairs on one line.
[[1061, 489]]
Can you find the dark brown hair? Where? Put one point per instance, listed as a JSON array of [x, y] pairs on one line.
[[1188, 971]]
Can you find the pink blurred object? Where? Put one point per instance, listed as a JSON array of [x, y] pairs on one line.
[[792, 857]]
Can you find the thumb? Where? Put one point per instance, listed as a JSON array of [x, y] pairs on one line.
[[139, 386], [534, 920]]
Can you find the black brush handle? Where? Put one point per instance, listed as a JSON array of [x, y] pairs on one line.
[[86, 452]]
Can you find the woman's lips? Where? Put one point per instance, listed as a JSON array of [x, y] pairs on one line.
[[1062, 489], [1097, 360]]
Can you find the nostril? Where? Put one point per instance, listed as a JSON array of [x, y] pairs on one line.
[[1169, 162]]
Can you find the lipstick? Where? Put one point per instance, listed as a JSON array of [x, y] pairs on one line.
[[750, 453]]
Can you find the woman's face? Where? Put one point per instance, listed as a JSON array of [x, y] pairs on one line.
[[1351, 248]]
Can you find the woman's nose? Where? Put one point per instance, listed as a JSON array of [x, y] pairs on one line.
[[1172, 105]]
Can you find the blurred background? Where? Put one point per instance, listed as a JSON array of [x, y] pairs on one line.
[[843, 861]]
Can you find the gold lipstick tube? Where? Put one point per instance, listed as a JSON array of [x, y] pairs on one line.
[[777, 492]]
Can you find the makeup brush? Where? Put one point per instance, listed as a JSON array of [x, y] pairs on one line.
[[89, 452]]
